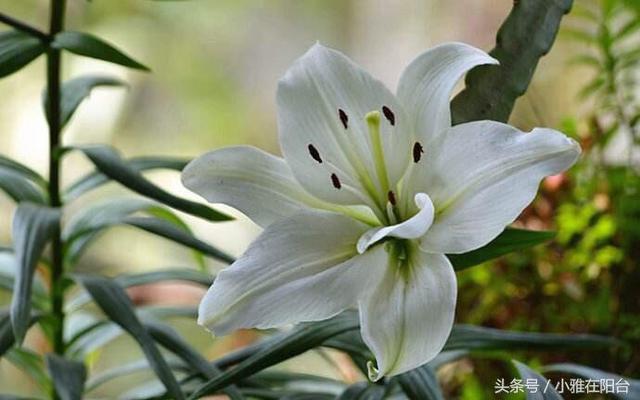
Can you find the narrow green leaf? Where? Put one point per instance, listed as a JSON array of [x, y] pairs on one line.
[[421, 384], [17, 49], [629, 28], [107, 160], [73, 92], [525, 36], [508, 241], [7, 340], [301, 339], [31, 363], [115, 303], [628, 388], [87, 45], [68, 376], [8, 164], [20, 189], [364, 391], [33, 226], [8, 273], [125, 370], [169, 231], [545, 390], [96, 179], [171, 341]]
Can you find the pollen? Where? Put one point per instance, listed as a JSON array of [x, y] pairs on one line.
[[336, 181], [314, 153], [392, 197], [389, 115], [344, 118], [417, 152]]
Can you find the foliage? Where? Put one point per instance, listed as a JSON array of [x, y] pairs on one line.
[[47, 294]]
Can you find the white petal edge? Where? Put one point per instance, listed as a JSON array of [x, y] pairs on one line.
[[426, 85], [406, 321], [481, 175], [309, 96], [257, 183], [412, 228], [302, 268]]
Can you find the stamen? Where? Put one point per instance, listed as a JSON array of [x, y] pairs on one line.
[[392, 197], [417, 152], [336, 181], [344, 118], [389, 115], [314, 153]]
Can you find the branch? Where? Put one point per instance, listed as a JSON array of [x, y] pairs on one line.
[[525, 36]]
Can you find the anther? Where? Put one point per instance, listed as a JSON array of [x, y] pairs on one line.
[[336, 181], [389, 115], [314, 153], [344, 118], [392, 197], [417, 152]]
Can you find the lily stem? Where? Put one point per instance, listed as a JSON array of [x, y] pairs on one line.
[[56, 24]]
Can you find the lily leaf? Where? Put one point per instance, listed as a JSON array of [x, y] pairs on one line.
[[17, 49], [33, 226], [491, 90], [107, 160], [421, 384], [11, 165], [73, 92], [364, 390], [87, 45], [115, 303], [509, 241], [96, 179], [20, 189], [632, 389], [545, 391], [68, 376]]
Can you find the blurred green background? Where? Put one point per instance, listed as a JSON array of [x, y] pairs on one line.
[[215, 66]]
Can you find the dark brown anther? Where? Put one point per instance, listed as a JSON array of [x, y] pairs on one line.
[[389, 115], [392, 197], [417, 152], [344, 118], [335, 181], [314, 153]]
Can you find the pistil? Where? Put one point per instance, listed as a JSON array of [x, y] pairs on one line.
[[373, 123]]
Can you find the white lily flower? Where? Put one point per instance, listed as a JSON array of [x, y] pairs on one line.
[[373, 191]]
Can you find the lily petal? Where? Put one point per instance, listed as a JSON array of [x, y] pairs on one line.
[[251, 180], [481, 175], [407, 317], [302, 268], [322, 103], [426, 85], [412, 228]]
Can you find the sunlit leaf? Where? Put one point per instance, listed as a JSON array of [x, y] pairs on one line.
[[73, 92], [87, 45], [68, 376], [33, 226], [17, 49], [507, 242], [115, 303], [109, 163]]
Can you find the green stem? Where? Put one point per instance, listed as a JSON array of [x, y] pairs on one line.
[[53, 93]]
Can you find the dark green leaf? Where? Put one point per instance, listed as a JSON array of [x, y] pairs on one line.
[[364, 391], [166, 230], [87, 45], [31, 363], [289, 345], [171, 341], [8, 272], [19, 188], [126, 370], [526, 35], [73, 92], [470, 337], [421, 384], [6, 331], [33, 226], [545, 391], [17, 49], [115, 303], [507, 242], [68, 376], [109, 163], [632, 385], [8, 164], [139, 164]]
